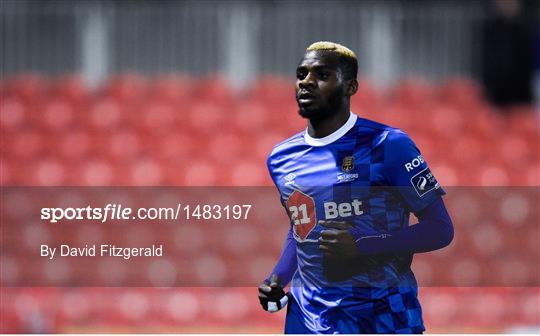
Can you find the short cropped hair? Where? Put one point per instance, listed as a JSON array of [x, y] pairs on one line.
[[347, 59]]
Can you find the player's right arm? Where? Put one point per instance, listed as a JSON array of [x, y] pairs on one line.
[[271, 293]]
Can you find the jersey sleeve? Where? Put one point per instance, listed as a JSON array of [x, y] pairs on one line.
[[406, 169], [270, 167]]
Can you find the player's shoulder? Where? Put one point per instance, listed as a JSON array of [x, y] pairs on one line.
[[382, 134], [296, 138], [286, 146]]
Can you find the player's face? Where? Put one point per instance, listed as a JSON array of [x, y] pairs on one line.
[[319, 85]]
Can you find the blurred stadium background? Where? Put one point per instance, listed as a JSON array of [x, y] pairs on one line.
[[196, 93]]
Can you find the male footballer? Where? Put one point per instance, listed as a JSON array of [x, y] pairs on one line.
[[349, 185]]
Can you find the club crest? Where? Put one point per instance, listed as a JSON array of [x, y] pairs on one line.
[[348, 164]]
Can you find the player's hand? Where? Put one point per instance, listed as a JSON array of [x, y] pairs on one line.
[[271, 294], [336, 240]]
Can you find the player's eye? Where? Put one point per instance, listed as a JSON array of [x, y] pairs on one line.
[[301, 74], [324, 76]]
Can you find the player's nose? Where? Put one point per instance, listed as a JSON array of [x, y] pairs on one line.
[[307, 82]]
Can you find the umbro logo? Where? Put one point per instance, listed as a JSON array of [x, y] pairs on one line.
[[290, 178]]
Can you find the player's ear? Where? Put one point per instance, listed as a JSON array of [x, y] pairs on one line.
[[352, 87]]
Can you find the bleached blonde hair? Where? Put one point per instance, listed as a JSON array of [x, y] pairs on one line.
[[332, 46]]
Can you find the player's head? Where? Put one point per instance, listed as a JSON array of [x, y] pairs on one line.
[[325, 79]]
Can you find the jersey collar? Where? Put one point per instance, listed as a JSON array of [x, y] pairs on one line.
[[318, 142]]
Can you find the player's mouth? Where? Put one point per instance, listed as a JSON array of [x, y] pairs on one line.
[[305, 98]]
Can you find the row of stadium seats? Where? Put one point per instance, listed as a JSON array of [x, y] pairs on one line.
[[236, 310], [205, 171], [58, 132], [489, 223], [130, 88], [247, 114], [221, 270]]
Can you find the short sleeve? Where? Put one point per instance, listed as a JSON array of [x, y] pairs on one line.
[[270, 167], [406, 169]]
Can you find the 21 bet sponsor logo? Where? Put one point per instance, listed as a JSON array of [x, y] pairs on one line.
[[302, 211]]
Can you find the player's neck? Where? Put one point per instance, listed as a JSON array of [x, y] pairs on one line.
[[324, 127]]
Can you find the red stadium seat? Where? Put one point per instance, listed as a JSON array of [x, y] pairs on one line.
[[249, 241], [105, 114], [14, 114], [124, 145], [206, 117], [57, 116], [176, 147], [414, 93], [96, 173], [127, 88], [251, 117], [494, 176], [25, 144], [183, 306], [396, 114], [366, 101], [48, 172], [145, 172], [445, 121], [75, 144], [199, 173], [27, 87], [157, 118], [533, 177], [72, 89], [249, 173], [461, 93], [265, 142], [440, 307], [214, 89], [221, 306], [172, 89], [226, 148], [446, 175], [465, 150], [270, 90], [210, 269]]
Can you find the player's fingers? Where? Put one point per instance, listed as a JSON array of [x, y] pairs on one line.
[[329, 234], [325, 248], [339, 225], [327, 251], [328, 242], [274, 281], [343, 234], [264, 288]]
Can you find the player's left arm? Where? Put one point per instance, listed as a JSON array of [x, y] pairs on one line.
[[406, 170], [433, 231]]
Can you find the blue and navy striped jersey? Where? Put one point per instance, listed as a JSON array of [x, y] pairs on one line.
[[372, 176]]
